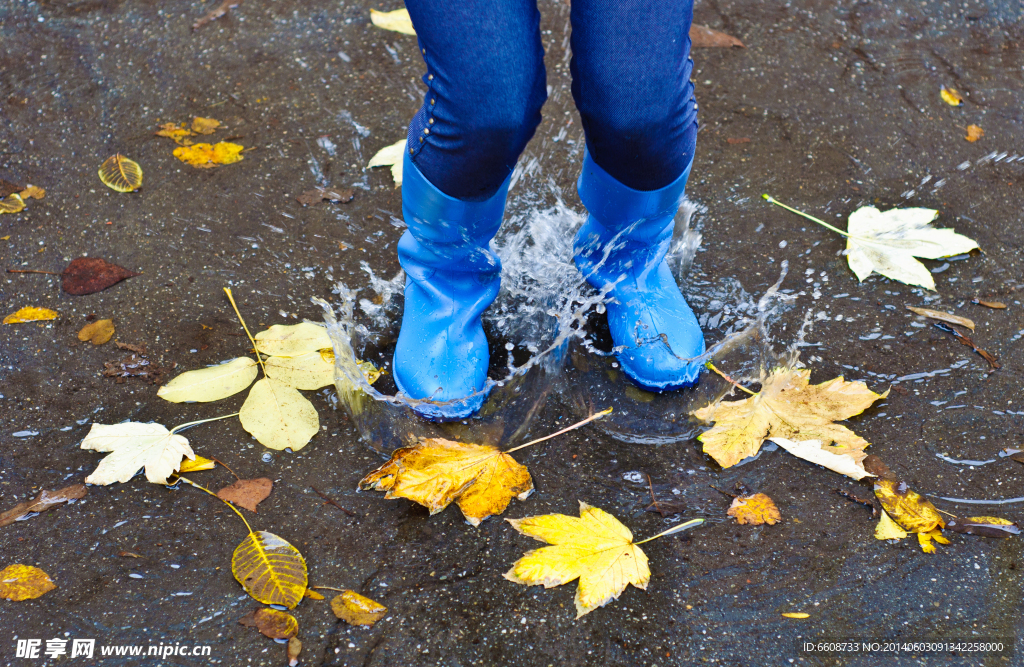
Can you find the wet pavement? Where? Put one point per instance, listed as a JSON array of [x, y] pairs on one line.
[[831, 106]]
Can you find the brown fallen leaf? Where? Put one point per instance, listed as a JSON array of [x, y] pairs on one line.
[[44, 501], [274, 624], [130, 554], [9, 188], [999, 305], [985, 526], [88, 275], [215, 13], [942, 317], [24, 582], [293, 651], [912, 511], [974, 133], [356, 609], [755, 510], [317, 195], [702, 36], [877, 467], [247, 493], [966, 341], [98, 332], [136, 365], [137, 349]]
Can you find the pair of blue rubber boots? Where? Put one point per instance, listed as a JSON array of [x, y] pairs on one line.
[[453, 275]]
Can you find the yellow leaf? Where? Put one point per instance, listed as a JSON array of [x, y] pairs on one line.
[[911, 511], [278, 415], [306, 371], [291, 340], [198, 463], [887, 529], [434, 472], [206, 156], [176, 132], [202, 125], [595, 548], [32, 192], [270, 569], [925, 540], [951, 97], [788, 407], [397, 21], [24, 582], [98, 332], [355, 609], [392, 156], [12, 203], [943, 317], [974, 133], [755, 510], [212, 383], [312, 595], [30, 314], [121, 174], [133, 445], [887, 243], [796, 614], [275, 624], [813, 451]]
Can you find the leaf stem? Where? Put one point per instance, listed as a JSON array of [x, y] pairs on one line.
[[233, 508], [182, 427], [772, 200], [259, 358], [736, 384], [564, 430], [692, 523], [329, 588], [49, 273]]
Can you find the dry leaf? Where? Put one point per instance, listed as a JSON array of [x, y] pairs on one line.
[[293, 651], [943, 317], [121, 174], [596, 548], [270, 569], [87, 275], [312, 595], [911, 511], [703, 36], [44, 501], [999, 305], [887, 529], [309, 371], [278, 416], [755, 510], [212, 383], [24, 582], [12, 203], [815, 452], [397, 21], [247, 493], [796, 614], [133, 445], [356, 609], [215, 13], [392, 156], [888, 242], [196, 464], [317, 195], [434, 472], [98, 332], [202, 125], [32, 192], [30, 314], [179, 133], [291, 340], [275, 624], [985, 526], [951, 97], [7, 188], [206, 156], [788, 407], [974, 133]]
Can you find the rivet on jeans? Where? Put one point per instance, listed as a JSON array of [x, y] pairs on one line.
[[432, 100], [431, 121], [430, 77], [426, 130]]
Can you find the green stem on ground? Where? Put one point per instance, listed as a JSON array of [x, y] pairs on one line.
[[734, 383], [259, 358], [233, 508], [692, 523], [772, 200], [180, 427], [564, 430]]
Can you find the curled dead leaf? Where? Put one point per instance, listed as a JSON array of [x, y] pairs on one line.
[[942, 317], [912, 511], [356, 609], [398, 21], [755, 510], [32, 192], [196, 464], [390, 156], [275, 624], [999, 305], [44, 501], [293, 651], [178, 133], [985, 526], [317, 195]]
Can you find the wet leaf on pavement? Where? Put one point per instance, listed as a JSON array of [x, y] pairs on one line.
[[179, 133], [796, 614], [974, 133], [196, 464], [270, 569], [30, 314], [44, 501], [121, 174], [133, 445], [202, 125], [702, 36], [317, 195], [887, 529], [12, 203], [397, 21], [999, 305], [390, 156], [310, 370], [87, 275], [215, 13], [312, 595], [815, 452], [24, 582], [212, 383], [912, 511], [9, 187], [985, 526], [207, 156], [271, 623], [755, 510], [787, 406], [247, 493], [951, 97], [434, 472], [596, 548], [293, 651], [32, 192], [98, 332], [291, 340], [278, 416], [943, 317], [356, 609]]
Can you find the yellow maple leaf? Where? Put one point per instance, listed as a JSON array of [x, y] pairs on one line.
[[787, 406], [755, 510], [434, 472], [206, 156], [912, 511], [30, 314]]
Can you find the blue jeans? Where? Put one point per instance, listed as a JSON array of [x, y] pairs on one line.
[[486, 85]]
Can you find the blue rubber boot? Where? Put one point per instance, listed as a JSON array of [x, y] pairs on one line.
[[452, 276], [624, 242]]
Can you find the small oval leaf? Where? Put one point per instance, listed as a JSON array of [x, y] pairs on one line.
[[121, 174], [270, 569], [212, 383]]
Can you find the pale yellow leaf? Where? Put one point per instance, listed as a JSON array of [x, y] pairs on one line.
[[278, 416], [132, 446], [291, 340], [212, 383], [30, 314], [815, 452], [398, 21], [121, 174], [887, 529], [392, 156], [310, 370], [202, 125], [943, 317]]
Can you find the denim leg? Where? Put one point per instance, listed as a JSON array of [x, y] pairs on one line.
[[485, 87], [631, 72]]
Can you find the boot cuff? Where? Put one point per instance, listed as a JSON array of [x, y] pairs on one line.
[[608, 199]]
